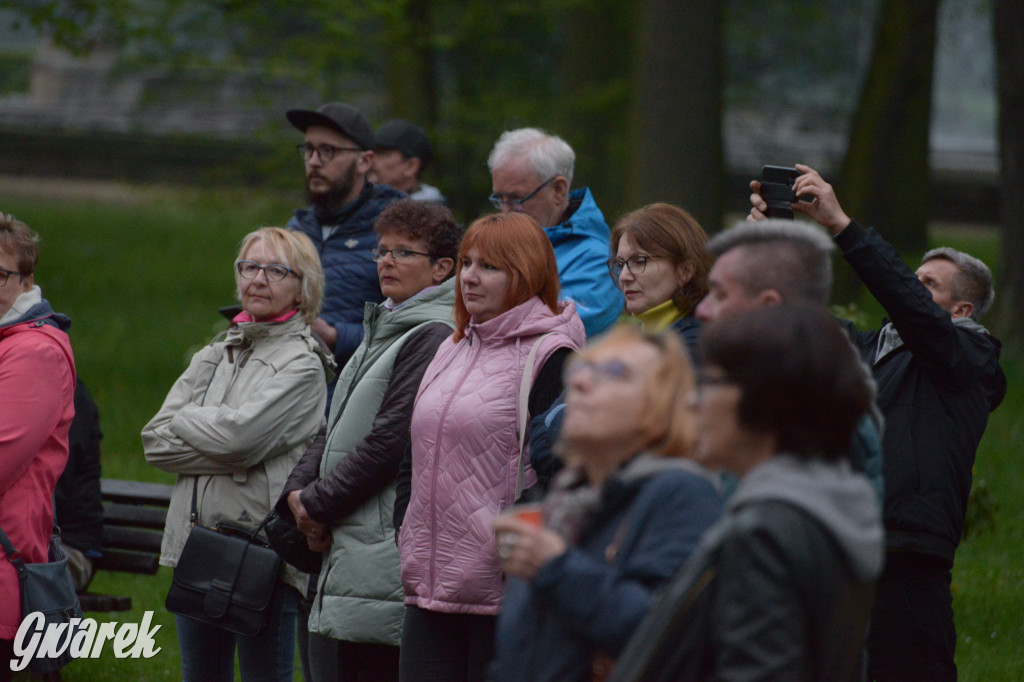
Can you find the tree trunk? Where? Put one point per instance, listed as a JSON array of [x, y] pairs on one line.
[[677, 90], [594, 109], [884, 179], [410, 71], [1008, 20]]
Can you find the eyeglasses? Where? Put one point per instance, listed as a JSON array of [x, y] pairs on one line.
[[608, 370], [326, 152], [274, 272], [515, 203], [397, 255], [635, 265], [4, 274]]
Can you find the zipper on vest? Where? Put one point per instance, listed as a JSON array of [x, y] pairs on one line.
[[437, 464]]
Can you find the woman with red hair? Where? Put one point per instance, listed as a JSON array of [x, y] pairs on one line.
[[464, 464]]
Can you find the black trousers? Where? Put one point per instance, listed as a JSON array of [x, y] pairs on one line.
[[912, 635], [6, 654], [445, 647], [358, 662]]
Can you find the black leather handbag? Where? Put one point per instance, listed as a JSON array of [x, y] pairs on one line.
[[225, 576]]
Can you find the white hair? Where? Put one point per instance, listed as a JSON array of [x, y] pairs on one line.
[[548, 155]]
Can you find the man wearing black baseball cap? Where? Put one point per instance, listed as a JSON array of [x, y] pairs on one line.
[[343, 205], [403, 152]]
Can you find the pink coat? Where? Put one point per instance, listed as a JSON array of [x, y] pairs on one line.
[[465, 456], [37, 387]]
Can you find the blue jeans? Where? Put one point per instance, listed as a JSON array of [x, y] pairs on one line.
[[208, 651]]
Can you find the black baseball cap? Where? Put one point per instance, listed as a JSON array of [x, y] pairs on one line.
[[338, 116], [406, 138]]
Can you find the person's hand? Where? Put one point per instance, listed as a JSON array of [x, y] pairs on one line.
[[307, 525], [325, 331], [523, 548], [758, 206], [321, 544], [823, 208]]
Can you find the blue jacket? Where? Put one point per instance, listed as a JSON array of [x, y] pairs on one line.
[[652, 515], [582, 244], [349, 270]]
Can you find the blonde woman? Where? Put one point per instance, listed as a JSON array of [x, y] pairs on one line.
[[233, 426], [621, 519]]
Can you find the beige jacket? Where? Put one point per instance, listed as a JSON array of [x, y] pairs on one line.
[[235, 423]]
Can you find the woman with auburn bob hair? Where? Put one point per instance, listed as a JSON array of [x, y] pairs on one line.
[[232, 427], [662, 268], [621, 518], [463, 465], [781, 587]]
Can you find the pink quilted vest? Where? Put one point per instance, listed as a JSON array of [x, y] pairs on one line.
[[465, 456]]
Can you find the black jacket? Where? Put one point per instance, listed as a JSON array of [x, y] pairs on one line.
[[78, 504], [779, 589], [936, 392]]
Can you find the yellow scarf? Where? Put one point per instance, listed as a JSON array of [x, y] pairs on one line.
[[660, 317]]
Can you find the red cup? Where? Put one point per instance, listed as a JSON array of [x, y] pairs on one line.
[[529, 513]]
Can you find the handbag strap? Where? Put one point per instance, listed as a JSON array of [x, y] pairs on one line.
[[193, 516], [13, 555], [524, 402]]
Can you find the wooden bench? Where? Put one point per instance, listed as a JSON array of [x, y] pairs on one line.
[[133, 523]]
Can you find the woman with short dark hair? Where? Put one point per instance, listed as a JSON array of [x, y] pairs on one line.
[[781, 587], [341, 493]]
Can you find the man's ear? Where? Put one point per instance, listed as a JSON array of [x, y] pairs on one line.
[[365, 162], [962, 309], [415, 167], [560, 187], [769, 297]]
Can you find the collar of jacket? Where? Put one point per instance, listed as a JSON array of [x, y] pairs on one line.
[[530, 318], [31, 306]]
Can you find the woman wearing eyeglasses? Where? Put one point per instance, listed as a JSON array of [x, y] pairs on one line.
[[661, 266], [781, 587], [342, 492], [620, 520], [464, 461], [233, 426]]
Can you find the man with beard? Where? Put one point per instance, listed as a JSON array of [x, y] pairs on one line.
[[343, 206]]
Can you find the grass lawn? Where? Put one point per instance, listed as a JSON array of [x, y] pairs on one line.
[[142, 274]]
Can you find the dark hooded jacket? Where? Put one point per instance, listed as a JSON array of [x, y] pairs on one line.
[[936, 390], [779, 589], [650, 517]]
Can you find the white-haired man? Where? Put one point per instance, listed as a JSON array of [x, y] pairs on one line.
[[531, 172], [938, 378]]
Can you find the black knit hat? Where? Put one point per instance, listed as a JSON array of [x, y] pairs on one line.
[[338, 116]]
